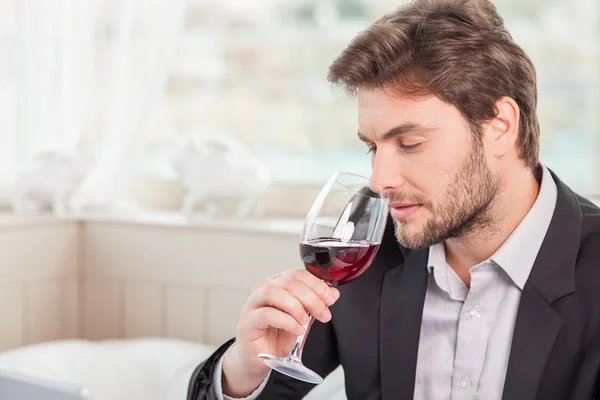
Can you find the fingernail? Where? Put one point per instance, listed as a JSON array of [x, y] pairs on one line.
[[300, 330], [326, 315]]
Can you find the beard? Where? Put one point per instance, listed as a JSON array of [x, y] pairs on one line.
[[463, 208]]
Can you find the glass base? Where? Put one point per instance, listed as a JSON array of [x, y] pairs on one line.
[[291, 367]]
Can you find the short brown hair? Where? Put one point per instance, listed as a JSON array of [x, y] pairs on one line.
[[458, 50]]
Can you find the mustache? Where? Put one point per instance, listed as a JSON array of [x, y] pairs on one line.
[[398, 197]]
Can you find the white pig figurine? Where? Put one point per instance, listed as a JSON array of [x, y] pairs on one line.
[[216, 168], [49, 179]]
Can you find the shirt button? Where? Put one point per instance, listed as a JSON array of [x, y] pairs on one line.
[[474, 313], [464, 383]]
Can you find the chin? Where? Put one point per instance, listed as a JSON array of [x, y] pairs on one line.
[[408, 236]]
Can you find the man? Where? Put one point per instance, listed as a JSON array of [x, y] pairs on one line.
[[489, 288]]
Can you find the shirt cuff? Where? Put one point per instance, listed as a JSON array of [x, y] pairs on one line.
[[218, 385]]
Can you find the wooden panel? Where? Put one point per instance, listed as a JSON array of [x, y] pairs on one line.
[[187, 255], [143, 310], [225, 307], [44, 311], [102, 309], [185, 313], [12, 316], [39, 252], [71, 306]]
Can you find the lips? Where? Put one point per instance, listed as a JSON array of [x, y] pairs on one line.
[[403, 211]]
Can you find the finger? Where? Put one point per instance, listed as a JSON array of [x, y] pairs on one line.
[[269, 317], [328, 294], [276, 296], [310, 300]]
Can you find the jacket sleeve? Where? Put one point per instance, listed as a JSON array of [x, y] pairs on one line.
[[320, 354], [202, 381]]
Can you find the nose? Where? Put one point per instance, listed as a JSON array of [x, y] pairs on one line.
[[386, 171]]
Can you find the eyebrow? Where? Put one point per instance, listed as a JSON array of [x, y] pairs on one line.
[[403, 129]]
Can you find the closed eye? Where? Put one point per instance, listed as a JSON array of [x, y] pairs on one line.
[[409, 147]]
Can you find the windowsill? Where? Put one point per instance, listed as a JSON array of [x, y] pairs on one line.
[[286, 226], [291, 226], [10, 220]]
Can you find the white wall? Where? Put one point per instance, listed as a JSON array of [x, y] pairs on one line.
[[39, 280], [106, 278]]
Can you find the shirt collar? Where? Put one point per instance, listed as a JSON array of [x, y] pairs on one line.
[[437, 256], [518, 253]]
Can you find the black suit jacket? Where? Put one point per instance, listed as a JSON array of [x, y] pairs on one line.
[[374, 332]]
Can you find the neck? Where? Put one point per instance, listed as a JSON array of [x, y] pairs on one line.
[[511, 205]]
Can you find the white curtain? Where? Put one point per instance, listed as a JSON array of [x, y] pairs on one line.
[[89, 74]]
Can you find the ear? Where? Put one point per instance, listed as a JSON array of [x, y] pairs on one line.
[[501, 132]]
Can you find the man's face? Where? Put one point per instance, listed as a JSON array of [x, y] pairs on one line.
[[429, 164]]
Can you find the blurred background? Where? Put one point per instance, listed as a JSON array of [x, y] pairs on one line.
[[96, 94], [119, 77]]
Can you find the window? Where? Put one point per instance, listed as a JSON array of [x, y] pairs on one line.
[[256, 69]]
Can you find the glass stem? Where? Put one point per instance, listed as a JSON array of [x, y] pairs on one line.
[[296, 351]]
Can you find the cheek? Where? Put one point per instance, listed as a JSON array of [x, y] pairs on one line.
[[428, 178], [440, 167], [436, 184]]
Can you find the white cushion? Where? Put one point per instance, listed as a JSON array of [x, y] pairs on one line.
[[148, 369]]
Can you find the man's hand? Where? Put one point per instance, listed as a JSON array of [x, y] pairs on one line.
[[271, 321]]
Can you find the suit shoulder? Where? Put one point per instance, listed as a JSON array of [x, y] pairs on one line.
[[590, 229]]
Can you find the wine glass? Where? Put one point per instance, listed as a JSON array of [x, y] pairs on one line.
[[341, 235]]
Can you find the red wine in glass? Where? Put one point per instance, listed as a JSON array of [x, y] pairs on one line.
[[336, 261]]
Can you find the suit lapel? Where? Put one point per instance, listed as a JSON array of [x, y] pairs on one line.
[[402, 300], [552, 277], [536, 330]]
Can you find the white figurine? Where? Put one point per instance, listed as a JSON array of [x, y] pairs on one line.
[[49, 179], [218, 168]]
